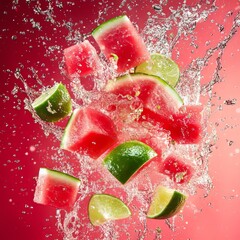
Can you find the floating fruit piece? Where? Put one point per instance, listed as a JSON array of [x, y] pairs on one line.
[[161, 66], [56, 189], [184, 127], [154, 92], [119, 39], [125, 159], [103, 208], [176, 169], [89, 132], [53, 104], [166, 203], [81, 59]]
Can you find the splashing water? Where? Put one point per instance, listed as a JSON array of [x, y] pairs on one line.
[[167, 30]]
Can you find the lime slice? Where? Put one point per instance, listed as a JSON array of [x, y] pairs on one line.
[[161, 66], [103, 208], [124, 160], [53, 104], [166, 203]]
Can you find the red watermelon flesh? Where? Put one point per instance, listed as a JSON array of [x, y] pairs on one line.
[[184, 127], [89, 132], [56, 189], [81, 59], [162, 101], [140, 88], [176, 169], [118, 37], [154, 93]]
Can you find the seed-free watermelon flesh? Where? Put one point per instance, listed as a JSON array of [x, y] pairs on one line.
[[89, 132], [119, 37], [154, 92], [56, 189], [81, 59], [176, 169], [133, 86], [183, 127]]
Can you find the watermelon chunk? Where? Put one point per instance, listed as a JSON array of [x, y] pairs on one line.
[[81, 59], [56, 189], [89, 132], [119, 39], [184, 127], [176, 169], [154, 92]]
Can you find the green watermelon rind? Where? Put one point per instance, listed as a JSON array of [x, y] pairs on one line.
[[135, 76], [65, 137], [59, 175], [109, 24]]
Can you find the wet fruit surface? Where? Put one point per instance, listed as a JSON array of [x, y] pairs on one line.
[[33, 37]]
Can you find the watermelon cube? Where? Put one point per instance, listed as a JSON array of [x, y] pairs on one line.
[[89, 132], [176, 169], [184, 127], [81, 59], [119, 39], [56, 189]]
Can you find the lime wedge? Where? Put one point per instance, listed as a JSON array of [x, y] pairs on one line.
[[103, 208], [124, 160], [161, 66], [166, 203], [53, 104]]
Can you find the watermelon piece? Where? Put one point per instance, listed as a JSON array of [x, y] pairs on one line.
[[184, 127], [118, 39], [89, 132], [56, 189], [154, 92], [81, 59], [176, 169]]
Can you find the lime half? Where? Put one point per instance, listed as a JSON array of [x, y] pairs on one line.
[[53, 104], [166, 203], [161, 66], [103, 208], [124, 160]]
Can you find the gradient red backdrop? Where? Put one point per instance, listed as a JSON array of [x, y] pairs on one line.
[[26, 35]]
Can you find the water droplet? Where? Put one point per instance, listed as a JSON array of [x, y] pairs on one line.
[[32, 148], [157, 7], [220, 28], [14, 37], [238, 22], [230, 101]]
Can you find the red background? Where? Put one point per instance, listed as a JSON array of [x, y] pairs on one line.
[[23, 46]]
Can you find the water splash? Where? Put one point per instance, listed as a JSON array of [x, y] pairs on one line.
[[161, 34]]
